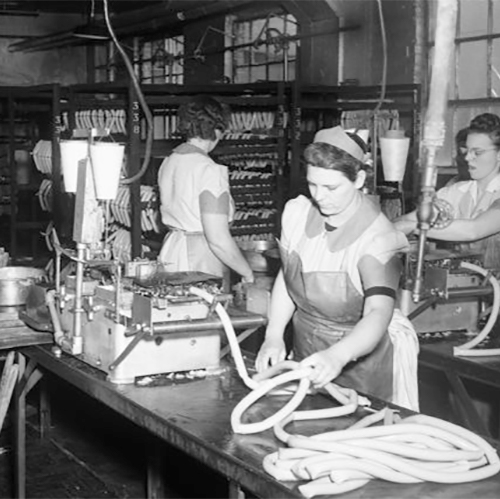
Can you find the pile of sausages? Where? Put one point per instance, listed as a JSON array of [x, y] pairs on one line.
[[415, 449], [410, 450]]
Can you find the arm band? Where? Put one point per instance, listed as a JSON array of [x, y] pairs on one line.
[[380, 290]]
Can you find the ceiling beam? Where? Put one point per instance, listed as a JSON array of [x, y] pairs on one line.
[[170, 15]]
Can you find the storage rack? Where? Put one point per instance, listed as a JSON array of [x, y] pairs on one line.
[[254, 149], [104, 105], [27, 118], [317, 107]]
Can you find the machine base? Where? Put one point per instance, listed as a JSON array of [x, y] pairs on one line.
[[105, 341]]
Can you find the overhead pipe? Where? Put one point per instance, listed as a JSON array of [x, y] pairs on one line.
[[168, 15], [25, 45], [180, 18]]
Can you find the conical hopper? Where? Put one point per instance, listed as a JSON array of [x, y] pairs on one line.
[[394, 152], [72, 151], [107, 161]]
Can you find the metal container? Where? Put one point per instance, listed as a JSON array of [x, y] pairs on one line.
[[15, 283], [261, 255]]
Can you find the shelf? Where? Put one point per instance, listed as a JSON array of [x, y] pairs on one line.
[[243, 231], [249, 193]]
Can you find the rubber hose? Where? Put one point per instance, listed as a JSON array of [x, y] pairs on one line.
[[465, 349]]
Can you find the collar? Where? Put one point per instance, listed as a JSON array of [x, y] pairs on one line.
[[471, 185], [187, 148], [346, 233]]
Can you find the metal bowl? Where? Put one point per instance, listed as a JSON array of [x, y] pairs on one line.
[[15, 283], [259, 255], [257, 245]]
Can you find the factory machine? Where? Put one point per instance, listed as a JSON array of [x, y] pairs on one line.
[[128, 319], [452, 297]]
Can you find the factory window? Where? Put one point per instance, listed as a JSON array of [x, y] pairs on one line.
[[154, 61], [475, 76], [261, 49], [159, 61]]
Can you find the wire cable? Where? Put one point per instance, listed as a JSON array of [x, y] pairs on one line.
[[140, 96]]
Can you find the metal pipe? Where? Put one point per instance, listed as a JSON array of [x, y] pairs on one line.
[[78, 305], [453, 293], [434, 129], [39, 41]]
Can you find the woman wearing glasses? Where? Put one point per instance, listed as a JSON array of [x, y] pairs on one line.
[[476, 202]]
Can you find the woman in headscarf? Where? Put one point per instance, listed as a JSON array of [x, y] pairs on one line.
[[338, 281]]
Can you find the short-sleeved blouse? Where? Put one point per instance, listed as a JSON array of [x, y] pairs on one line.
[[467, 204], [368, 233], [182, 177]]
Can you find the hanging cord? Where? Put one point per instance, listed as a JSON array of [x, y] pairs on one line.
[[383, 86], [140, 96], [384, 58]]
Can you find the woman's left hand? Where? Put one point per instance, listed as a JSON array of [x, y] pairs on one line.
[[407, 227], [326, 367]]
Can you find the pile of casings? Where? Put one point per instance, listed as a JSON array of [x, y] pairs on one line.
[[415, 449]]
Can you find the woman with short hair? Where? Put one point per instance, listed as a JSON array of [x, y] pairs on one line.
[[196, 203]]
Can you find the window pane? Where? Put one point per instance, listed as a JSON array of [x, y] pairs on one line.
[[472, 70], [259, 58], [276, 23], [258, 73], [256, 29], [242, 75], [275, 54], [496, 16], [495, 68], [473, 17], [292, 49], [276, 72]]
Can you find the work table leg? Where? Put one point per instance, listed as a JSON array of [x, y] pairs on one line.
[[20, 432], [235, 491], [157, 467], [45, 414]]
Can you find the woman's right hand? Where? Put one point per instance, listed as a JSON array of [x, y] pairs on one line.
[[248, 279], [271, 352]]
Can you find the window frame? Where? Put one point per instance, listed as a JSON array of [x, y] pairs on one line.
[[246, 47]]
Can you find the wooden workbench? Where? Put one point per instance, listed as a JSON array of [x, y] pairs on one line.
[[438, 356], [194, 417]]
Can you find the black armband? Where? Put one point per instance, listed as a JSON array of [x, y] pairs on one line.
[[381, 290]]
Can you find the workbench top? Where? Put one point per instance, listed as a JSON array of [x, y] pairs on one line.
[[440, 353], [15, 334], [194, 416]]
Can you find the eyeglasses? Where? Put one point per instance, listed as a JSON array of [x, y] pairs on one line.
[[475, 151]]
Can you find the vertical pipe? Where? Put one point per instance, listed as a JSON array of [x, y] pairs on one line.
[[13, 184], [434, 127], [77, 346]]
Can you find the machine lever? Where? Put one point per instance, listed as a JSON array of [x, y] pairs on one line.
[[138, 337]]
